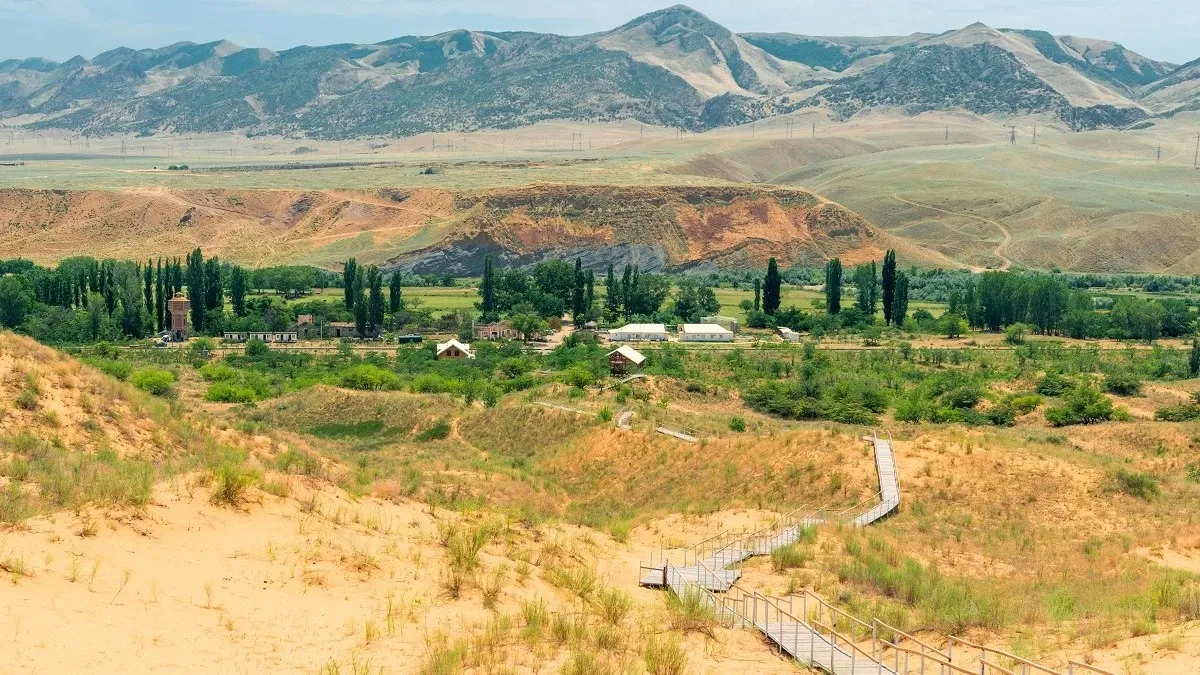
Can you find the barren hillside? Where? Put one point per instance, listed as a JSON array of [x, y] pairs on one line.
[[440, 230]]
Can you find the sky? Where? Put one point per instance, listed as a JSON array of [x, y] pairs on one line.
[[60, 29]]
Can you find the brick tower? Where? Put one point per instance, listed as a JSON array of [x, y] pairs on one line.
[[178, 307]]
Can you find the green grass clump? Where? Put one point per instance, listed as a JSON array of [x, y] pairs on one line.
[[1140, 485], [789, 557], [613, 605], [439, 430], [1081, 405], [664, 655], [231, 483], [224, 392], [692, 613], [737, 424], [154, 381]]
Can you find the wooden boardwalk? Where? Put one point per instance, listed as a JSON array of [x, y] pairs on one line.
[[889, 484], [802, 643]]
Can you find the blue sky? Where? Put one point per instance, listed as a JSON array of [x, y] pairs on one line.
[[59, 29]]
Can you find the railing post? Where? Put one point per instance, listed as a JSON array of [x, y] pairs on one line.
[[874, 627]]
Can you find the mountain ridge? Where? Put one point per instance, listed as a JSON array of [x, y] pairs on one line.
[[671, 67]]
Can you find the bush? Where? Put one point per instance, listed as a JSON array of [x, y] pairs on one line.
[[257, 347], [1122, 383], [439, 430], [962, 398], [370, 378], [231, 481], [1053, 384], [1081, 405], [788, 557], [1015, 334], [1140, 485], [154, 381], [117, 369], [1178, 413], [224, 392], [737, 424], [1023, 403]]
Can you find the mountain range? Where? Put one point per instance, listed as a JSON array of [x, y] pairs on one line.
[[674, 67]]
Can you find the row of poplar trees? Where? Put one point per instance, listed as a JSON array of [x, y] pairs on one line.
[[868, 283], [363, 290]]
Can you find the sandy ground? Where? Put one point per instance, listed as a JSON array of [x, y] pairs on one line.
[[189, 586]]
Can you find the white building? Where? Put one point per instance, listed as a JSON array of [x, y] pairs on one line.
[[725, 321], [454, 350], [639, 332], [788, 334], [704, 332]]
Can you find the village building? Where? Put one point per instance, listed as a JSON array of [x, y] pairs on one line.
[[454, 350], [723, 321], [639, 332], [623, 359], [305, 327], [409, 339], [704, 332], [178, 307], [499, 330], [234, 336], [788, 334], [347, 329]]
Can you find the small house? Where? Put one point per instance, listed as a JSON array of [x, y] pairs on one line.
[[704, 332], [286, 336], [454, 350], [499, 330], [788, 334], [639, 332], [305, 327], [348, 329], [624, 358], [723, 321]]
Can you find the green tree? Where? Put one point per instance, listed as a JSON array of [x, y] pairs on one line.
[[1194, 359], [833, 286], [867, 284], [889, 285], [487, 287], [757, 295], [237, 290], [612, 295], [527, 324], [772, 289], [578, 292], [195, 288], [396, 297], [349, 275], [900, 300], [148, 281], [375, 301], [16, 299], [160, 305]]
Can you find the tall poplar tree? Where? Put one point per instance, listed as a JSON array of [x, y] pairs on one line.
[[889, 284], [833, 286], [772, 288], [395, 294], [900, 300], [487, 287], [349, 275]]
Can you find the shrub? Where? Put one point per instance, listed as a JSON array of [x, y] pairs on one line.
[[231, 481], [605, 414], [1015, 334], [1178, 413], [1081, 405], [1023, 403], [439, 430], [664, 656], [737, 424], [962, 398], [1053, 384], [257, 347], [788, 557], [218, 372], [224, 392], [154, 381], [369, 377], [1140, 485], [1122, 383], [117, 369], [613, 605]]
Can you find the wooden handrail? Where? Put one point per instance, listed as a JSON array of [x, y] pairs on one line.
[[910, 638], [845, 640], [1076, 664], [951, 640], [821, 600], [941, 662]]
